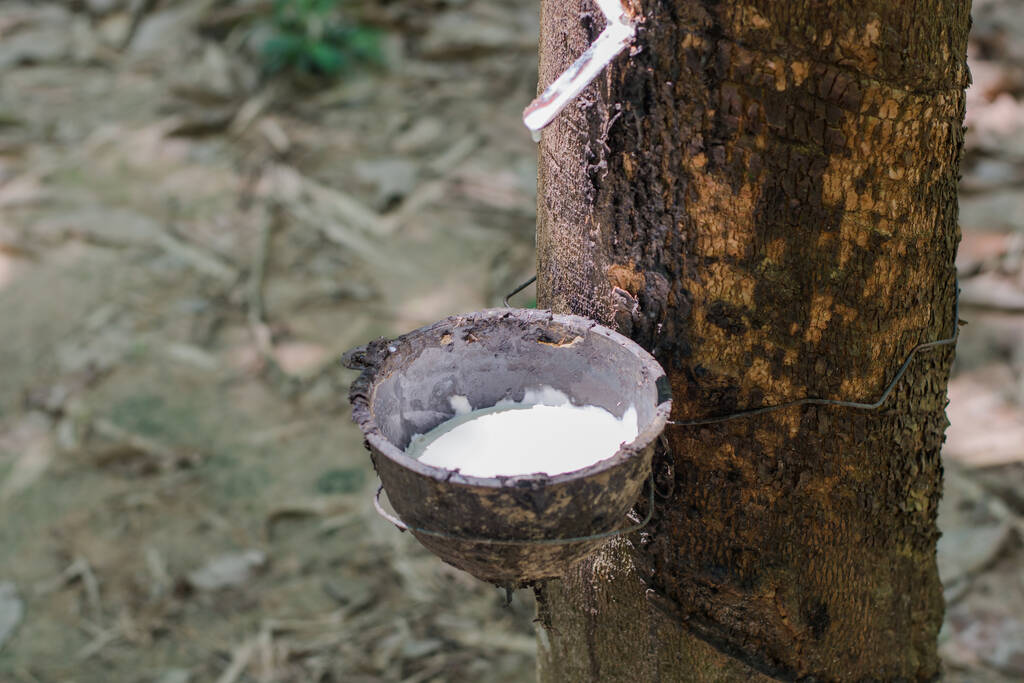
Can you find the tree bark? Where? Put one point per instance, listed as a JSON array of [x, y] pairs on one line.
[[765, 195]]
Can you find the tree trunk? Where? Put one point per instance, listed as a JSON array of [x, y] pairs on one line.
[[764, 194]]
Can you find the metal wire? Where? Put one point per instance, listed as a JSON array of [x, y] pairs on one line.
[[810, 401], [874, 405], [518, 289], [402, 526]]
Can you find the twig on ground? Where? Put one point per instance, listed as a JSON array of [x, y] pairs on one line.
[[427, 193], [257, 274], [348, 208], [275, 135], [996, 505], [252, 108], [137, 442], [78, 569], [279, 380], [313, 507], [281, 432], [226, 17], [430, 671], [265, 645], [139, 10], [201, 260], [282, 382], [18, 248], [454, 155], [348, 238], [103, 639], [130, 448], [330, 620], [92, 586], [330, 525], [161, 579], [239, 661], [23, 674]]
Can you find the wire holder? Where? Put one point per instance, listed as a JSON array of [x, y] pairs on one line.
[[813, 401]]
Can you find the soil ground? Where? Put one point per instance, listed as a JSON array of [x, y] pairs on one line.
[[187, 246]]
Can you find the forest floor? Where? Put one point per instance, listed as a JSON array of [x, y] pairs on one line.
[[186, 248]]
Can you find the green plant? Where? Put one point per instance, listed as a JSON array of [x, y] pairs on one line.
[[312, 37]]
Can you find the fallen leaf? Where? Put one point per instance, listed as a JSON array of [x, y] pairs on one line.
[[36, 453], [23, 190], [968, 549], [984, 428], [392, 179], [12, 609], [1001, 210], [297, 358], [993, 638], [992, 291], [424, 133], [302, 509], [35, 46], [175, 676], [227, 570], [460, 33], [990, 174], [239, 661], [353, 593], [980, 251]]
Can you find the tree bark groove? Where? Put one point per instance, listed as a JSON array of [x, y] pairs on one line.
[[764, 194]]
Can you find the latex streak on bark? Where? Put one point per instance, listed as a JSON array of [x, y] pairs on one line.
[[617, 36]]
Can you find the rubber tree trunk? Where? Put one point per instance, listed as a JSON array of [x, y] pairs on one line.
[[765, 194]]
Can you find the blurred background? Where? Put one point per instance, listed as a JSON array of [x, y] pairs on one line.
[[204, 202]]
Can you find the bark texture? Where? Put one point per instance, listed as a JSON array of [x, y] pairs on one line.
[[764, 194]]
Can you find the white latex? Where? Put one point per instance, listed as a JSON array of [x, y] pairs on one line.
[[544, 433]]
